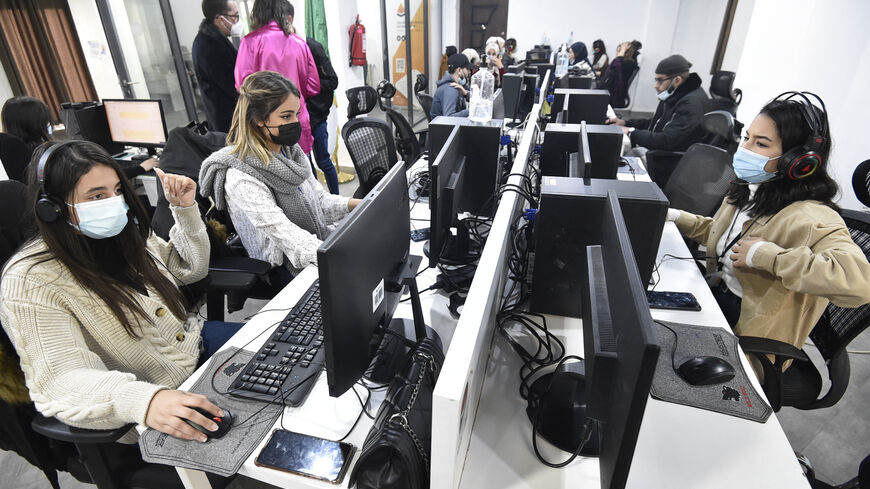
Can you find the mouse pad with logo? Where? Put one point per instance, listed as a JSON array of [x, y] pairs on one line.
[[223, 456], [735, 397]]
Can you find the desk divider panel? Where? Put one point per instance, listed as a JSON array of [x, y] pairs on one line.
[[457, 393]]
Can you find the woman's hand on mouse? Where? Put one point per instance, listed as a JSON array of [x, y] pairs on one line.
[[169, 409], [741, 250], [179, 190]]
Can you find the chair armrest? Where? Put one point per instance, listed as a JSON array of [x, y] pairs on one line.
[[240, 264], [767, 346], [230, 280], [57, 430]]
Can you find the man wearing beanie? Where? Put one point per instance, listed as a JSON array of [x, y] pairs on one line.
[[449, 98], [676, 124]]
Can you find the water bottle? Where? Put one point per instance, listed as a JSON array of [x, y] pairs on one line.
[[571, 38], [562, 62], [482, 89]]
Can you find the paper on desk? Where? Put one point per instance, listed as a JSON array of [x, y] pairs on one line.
[[223, 456]]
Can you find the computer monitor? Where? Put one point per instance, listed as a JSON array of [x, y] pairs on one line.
[[516, 67], [604, 143], [581, 82], [361, 267], [137, 122], [86, 121], [543, 68], [620, 345], [582, 105], [569, 219], [519, 94], [498, 104]]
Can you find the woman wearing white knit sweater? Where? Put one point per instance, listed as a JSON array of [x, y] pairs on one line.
[[92, 303], [279, 209]]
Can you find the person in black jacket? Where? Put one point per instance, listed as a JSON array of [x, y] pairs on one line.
[[676, 124], [318, 110], [214, 59]]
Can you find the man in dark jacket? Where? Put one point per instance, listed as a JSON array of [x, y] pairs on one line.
[[676, 124], [214, 59], [318, 110], [449, 98]]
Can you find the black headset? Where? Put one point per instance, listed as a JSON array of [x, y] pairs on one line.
[[48, 207], [802, 161]]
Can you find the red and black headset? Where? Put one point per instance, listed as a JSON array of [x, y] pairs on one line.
[[802, 161], [48, 208]]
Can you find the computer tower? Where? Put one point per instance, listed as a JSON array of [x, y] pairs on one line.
[[605, 145], [439, 130], [87, 122], [569, 219], [582, 104]]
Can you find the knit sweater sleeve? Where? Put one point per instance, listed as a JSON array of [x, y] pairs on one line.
[[186, 254], [65, 378], [334, 207], [255, 200]]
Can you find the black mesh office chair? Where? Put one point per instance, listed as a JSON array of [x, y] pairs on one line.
[[723, 94], [723, 130], [407, 143], [420, 87], [625, 103], [371, 149], [700, 180], [861, 182], [801, 385]]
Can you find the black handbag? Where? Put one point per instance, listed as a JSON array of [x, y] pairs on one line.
[[396, 452]]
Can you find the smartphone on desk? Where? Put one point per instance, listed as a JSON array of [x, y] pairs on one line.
[[306, 455], [681, 301]]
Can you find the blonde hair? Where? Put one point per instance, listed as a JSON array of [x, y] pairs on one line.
[[260, 95]]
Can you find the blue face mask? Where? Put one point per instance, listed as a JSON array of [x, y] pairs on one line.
[[749, 166], [103, 218]]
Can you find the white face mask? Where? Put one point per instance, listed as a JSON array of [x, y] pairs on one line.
[[237, 29]]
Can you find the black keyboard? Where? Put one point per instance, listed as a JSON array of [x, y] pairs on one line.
[[289, 363]]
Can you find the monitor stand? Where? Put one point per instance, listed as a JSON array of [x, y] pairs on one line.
[[457, 249], [557, 403], [392, 351]]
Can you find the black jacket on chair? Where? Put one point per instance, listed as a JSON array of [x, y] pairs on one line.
[[319, 105], [214, 59], [676, 124]]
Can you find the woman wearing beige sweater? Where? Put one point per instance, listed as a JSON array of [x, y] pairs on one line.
[[92, 303]]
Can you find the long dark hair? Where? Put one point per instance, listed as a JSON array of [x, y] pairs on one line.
[[265, 11], [26, 118], [598, 51], [774, 195], [72, 249]]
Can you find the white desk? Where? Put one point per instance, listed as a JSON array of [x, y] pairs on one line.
[[678, 446], [321, 415]]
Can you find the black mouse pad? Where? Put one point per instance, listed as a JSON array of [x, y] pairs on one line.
[[223, 456], [735, 397]]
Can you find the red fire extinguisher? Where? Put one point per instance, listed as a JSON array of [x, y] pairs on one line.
[[357, 44]]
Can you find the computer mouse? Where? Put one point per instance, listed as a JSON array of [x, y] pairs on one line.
[[706, 370], [224, 424]]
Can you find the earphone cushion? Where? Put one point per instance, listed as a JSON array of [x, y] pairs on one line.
[[47, 209], [799, 163]]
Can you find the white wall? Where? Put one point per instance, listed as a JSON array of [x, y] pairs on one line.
[[5, 88], [808, 45], [665, 27]]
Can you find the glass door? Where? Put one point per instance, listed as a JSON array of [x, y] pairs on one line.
[[145, 55]]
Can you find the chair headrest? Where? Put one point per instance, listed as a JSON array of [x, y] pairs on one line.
[[722, 84], [386, 89], [861, 182], [719, 123], [421, 84], [362, 100]]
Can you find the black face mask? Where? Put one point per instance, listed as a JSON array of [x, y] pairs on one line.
[[288, 134]]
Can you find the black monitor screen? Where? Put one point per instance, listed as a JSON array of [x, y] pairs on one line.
[[136, 122], [357, 265], [623, 350]]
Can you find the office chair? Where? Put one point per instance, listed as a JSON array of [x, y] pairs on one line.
[[14, 155], [861, 182], [723, 94], [723, 130], [700, 180], [368, 140], [231, 273], [407, 143], [627, 101], [801, 385]]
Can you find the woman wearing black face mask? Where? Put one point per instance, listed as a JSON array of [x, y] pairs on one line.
[[279, 209]]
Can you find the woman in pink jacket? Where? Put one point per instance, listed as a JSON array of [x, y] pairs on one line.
[[274, 46]]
